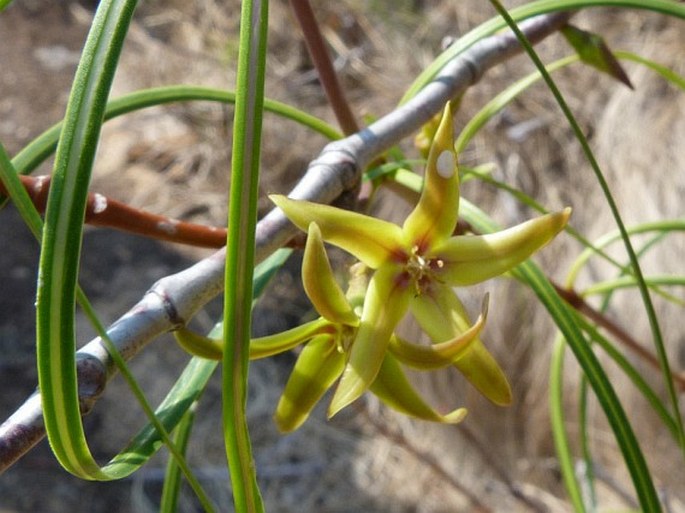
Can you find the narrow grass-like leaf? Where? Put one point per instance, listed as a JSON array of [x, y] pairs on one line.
[[558, 423], [33, 154], [242, 219], [656, 226], [639, 472], [629, 281], [19, 195], [61, 240], [633, 374], [60, 247], [566, 322], [588, 473], [496, 104], [32, 219], [670, 75], [526, 11], [172, 475]]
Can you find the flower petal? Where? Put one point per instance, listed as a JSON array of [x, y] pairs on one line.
[[199, 345], [318, 366], [484, 373], [320, 285], [442, 316], [393, 388], [270, 345], [371, 240], [435, 215], [384, 305], [471, 259], [440, 355], [212, 348]]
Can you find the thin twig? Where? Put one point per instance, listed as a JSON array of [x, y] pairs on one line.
[[106, 212], [173, 300], [397, 437], [322, 62], [579, 304]]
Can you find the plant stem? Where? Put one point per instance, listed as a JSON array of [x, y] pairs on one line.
[[322, 62]]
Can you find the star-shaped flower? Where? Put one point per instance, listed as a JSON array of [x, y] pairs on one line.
[[416, 266], [327, 341]]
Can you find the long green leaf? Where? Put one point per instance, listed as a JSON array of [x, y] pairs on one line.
[[527, 11], [33, 154], [558, 423], [172, 475], [501, 100], [565, 321], [240, 251], [61, 241], [655, 226], [112, 470], [191, 382], [60, 251], [639, 472]]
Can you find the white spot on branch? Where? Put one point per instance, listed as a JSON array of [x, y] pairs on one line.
[[168, 227], [99, 203]]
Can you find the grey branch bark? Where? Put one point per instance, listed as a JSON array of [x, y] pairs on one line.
[[173, 300]]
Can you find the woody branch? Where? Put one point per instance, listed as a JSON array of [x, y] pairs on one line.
[[173, 300]]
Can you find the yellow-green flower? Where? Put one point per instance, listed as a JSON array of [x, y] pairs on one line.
[[415, 267], [325, 356], [327, 341]]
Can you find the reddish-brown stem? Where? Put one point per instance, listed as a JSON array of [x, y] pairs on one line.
[[322, 62], [103, 211], [580, 305]]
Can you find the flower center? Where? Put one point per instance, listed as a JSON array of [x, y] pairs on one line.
[[421, 270], [345, 338]]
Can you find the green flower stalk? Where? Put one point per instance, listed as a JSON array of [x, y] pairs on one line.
[[415, 267]]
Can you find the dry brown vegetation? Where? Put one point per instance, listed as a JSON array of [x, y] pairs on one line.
[[174, 160]]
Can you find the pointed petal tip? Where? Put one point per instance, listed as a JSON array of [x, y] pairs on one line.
[[346, 393], [499, 392], [350, 388], [559, 220], [277, 198], [283, 425], [456, 416], [442, 156], [504, 398]]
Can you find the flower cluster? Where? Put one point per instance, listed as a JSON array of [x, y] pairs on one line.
[[414, 268]]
